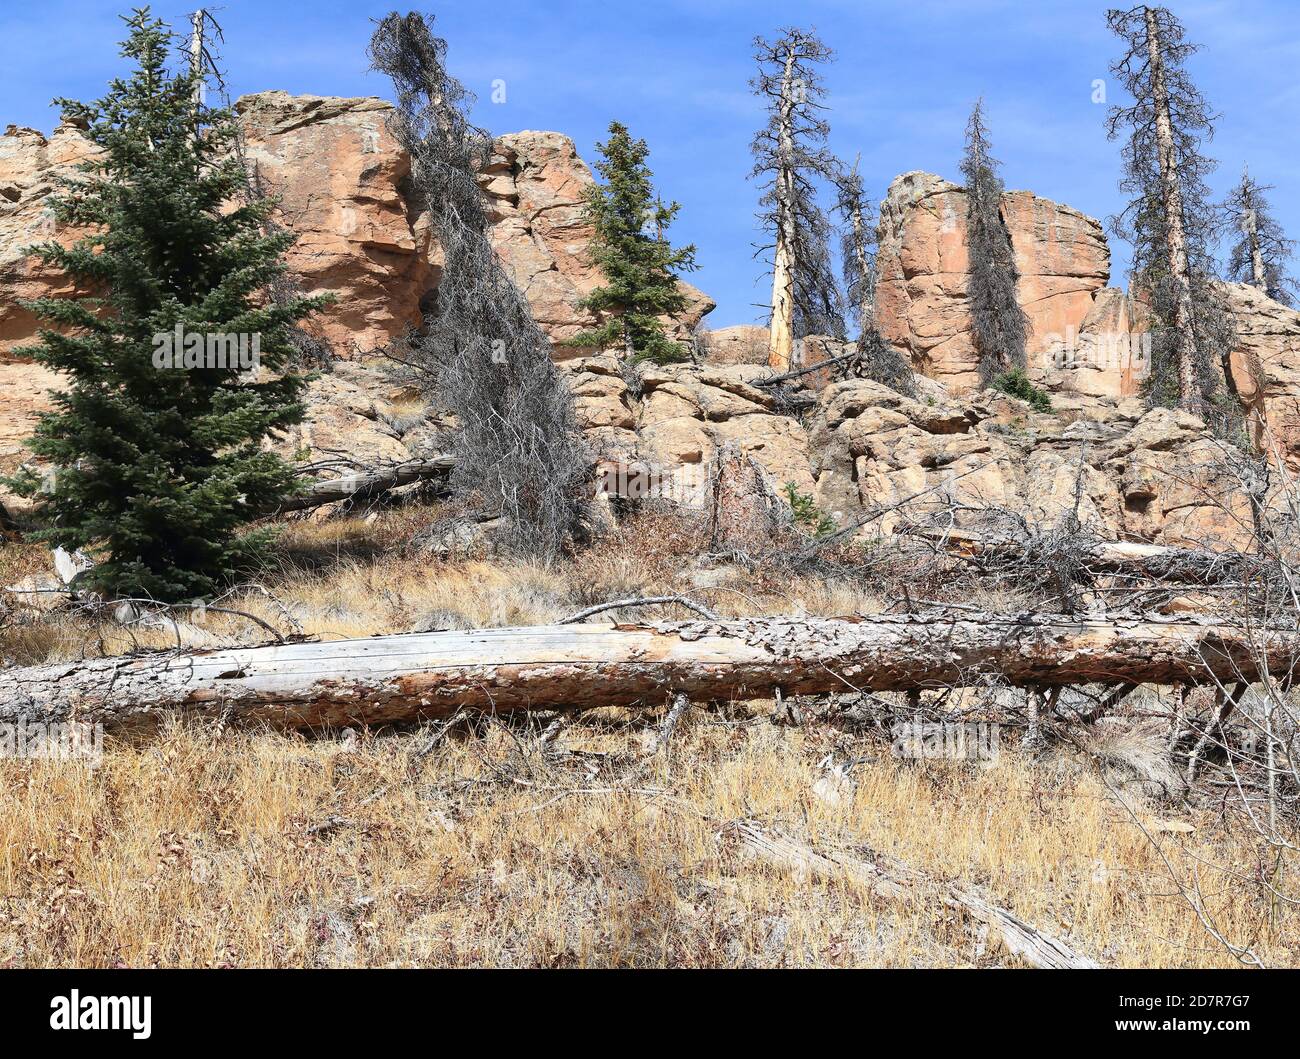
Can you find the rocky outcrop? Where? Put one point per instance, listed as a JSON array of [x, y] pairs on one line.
[[1064, 265], [857, 448], [1087, 339], [1266, 369], [1133, 474], [342, 183], [338, 174], [687, 413], [1128, 472]]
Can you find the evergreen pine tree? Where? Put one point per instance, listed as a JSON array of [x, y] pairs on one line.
[[640, 266], [158, 468], [999, 325]]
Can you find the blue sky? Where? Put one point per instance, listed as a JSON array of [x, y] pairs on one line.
[[902, 83]]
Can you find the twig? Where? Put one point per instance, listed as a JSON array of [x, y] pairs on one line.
[[643, 601], [680, 702]]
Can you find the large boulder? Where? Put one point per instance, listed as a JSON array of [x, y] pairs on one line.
[[687, 413]]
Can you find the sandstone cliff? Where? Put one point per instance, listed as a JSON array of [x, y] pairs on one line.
[[341, 181], [1064, 265]]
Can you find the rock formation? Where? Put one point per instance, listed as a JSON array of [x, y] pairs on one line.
[[30, 165], [1266, 369], [856, 447], [1064, 265], [340, 179], [1126, 472]]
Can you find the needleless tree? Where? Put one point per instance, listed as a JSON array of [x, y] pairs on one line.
[[999, 326], [640, 267], [1260, 254], [1170, 220], [481, 355], [790, 158], [875, 358], [158, 469]]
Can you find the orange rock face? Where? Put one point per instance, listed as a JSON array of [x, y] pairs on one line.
[[341, 180], [337, 170], [1266, 369], [30, 165], [1079, 332]]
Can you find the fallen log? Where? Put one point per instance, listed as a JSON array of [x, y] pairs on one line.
[[366, 485], [774, 380], [896, 882], [1156, 562], [406, 677]]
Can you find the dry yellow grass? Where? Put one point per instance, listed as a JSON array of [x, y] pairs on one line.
[[227, 849], [218, 848], [353, 577]]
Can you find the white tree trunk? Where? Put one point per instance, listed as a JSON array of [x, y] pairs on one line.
[[1175, 235], [780, 354]]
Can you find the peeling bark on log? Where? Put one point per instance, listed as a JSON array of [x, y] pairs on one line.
[[368, 484], [900, 883], [399, 678]]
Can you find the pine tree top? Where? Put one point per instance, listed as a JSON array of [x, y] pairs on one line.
[[629, 245]]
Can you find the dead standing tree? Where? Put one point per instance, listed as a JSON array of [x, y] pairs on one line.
[[1261, 252], [999, 326], [790, 156], [1170, 220], [481, 354], [875, 358]]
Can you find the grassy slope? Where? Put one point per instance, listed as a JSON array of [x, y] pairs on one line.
[[222, 848]]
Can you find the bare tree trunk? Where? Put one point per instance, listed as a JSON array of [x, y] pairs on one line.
[[780, 352], [1257, 270], [386, 679], [1154, 562], [1175, 235], [196, 53]]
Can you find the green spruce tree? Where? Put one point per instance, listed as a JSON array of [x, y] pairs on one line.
[[999, 327], [159, 467], [629, 247]]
